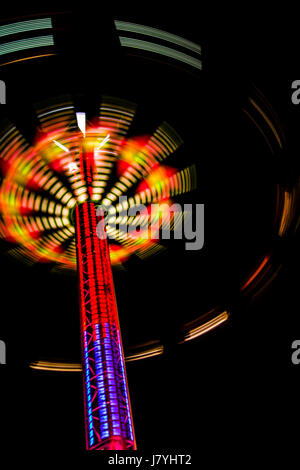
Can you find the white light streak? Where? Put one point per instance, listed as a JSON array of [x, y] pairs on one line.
[[81, 122], [65, 149], [104, 141]]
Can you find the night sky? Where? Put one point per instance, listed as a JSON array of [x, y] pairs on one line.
[[235, 386]]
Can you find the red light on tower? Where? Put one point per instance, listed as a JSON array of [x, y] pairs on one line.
[[108, 418]]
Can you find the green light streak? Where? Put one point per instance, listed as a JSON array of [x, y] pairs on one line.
[[157, 33], [23, 44], [162, 50], [23, 26]]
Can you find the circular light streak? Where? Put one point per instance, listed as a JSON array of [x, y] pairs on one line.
[[43, 183], [40, 220]]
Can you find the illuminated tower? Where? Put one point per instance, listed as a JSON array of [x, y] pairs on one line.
[[50, 194], [108, 419]]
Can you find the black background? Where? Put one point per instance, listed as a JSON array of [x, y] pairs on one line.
[[234, 388]]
